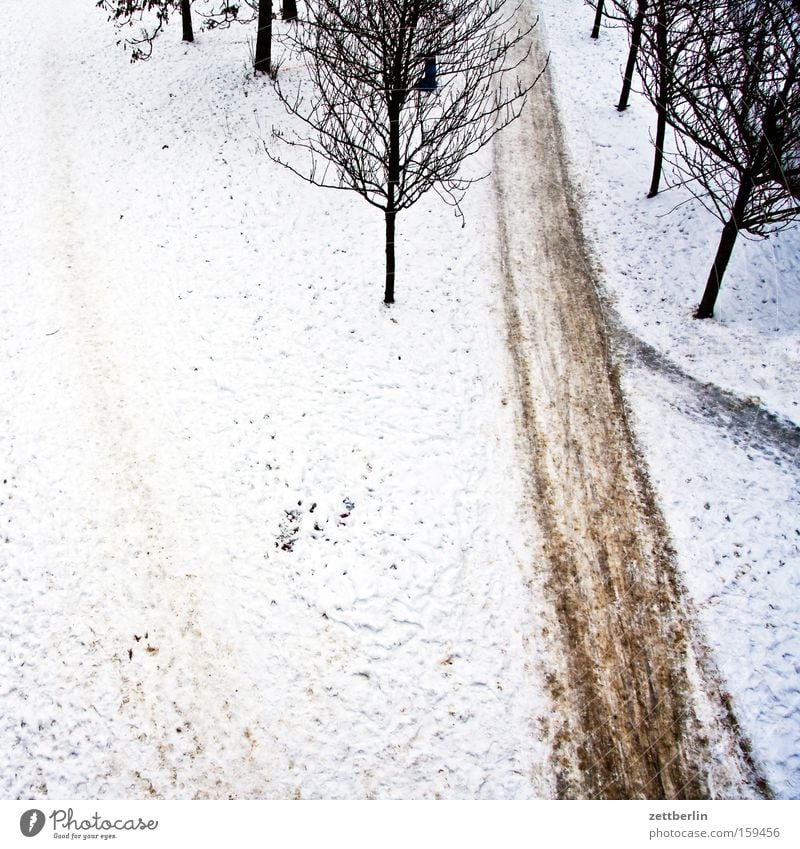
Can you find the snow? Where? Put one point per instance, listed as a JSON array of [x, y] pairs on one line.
[[265, 538], [264, 535]]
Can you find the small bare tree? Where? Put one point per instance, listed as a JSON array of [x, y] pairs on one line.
[[656, 34], [228, 13], [667, 29], [658, 42], [397, 94], [734, 101], [633, 14]]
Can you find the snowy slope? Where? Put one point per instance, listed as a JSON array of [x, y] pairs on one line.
[[263, 535]]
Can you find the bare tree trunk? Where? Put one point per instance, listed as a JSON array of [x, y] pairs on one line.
[[597, 18], [662, 49], [186, 19], [289, 10], [729, 233], [636, 40], [263, 58], [388, 294], [391, 194], [658, 158]]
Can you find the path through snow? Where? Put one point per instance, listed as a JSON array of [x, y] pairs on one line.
[[639, 712]]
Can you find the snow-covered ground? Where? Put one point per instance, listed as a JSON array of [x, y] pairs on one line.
[[263, 537], [728, 477]]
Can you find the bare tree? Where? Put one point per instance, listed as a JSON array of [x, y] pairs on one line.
[[657, 33], [668, 29], [734, 101], [228, 13], [397, 94], [635, 23], [631, 14], [659, 44]]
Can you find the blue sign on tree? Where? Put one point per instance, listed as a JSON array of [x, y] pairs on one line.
[[428, 80]]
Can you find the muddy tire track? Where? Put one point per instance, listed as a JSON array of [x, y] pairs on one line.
[[637, 716]]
